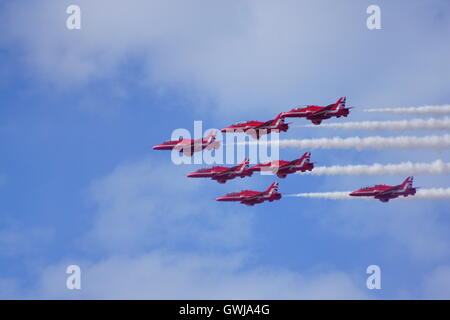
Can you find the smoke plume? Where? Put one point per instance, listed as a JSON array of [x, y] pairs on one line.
[[413, 124], [433, 194], [404, 168], [437, 110]]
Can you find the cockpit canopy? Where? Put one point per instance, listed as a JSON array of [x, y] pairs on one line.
[[240, 122], [234, 192], [298, 107]]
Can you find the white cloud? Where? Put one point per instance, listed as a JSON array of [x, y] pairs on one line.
[[437, 283], [146, 205], [249, 55], [414, 231], [9, 288], [183, 276], [246, 56], [159, 244]]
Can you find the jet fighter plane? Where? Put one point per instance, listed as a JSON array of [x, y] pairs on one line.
[[190, 146], [257, 128], [250, 198], [282, 168], [385, 193], [222, 174], [317, 113]]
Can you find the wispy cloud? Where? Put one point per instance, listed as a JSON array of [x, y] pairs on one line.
[[138, 221]]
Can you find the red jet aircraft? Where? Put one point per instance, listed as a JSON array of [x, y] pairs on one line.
[[222, 174], [250, 198], [385, 193], [257, 128], [316, 113], [282, 168], [189, 146]]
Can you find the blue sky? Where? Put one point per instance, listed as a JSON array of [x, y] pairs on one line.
[[79, 183]]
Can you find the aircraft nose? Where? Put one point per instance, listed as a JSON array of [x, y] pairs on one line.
[[156, 147], [222, 198], [190, 175]]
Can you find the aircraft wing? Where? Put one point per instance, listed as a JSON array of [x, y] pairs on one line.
[[287, 165], [187, 151], [254, 197], [213, 145], [253, 133], [263, 125], [185, 142], [224, 172], [386, 192], [321, 111]]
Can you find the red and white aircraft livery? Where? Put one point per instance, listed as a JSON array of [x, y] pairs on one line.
[[250, 198], [189, 146], [385, 193], [257, 128], [222, 174], [317, 113], [282, 168]]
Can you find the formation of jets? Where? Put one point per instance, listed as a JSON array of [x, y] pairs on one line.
[[281, 168]]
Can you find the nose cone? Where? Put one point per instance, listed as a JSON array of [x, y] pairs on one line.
[[222, 198], [157, 147], [354, 193], [191, 175]]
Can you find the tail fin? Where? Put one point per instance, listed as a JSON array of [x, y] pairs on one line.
[[244, 164], [408, 183], [341, 102], [279, 119], [305, 158], [212, 143], [273, 188], [211, 136]]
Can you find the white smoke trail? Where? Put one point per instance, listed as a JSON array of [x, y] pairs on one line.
[[413, 124], [437, 110], [400, 142], [404, 168], [433, 194], [341, 195]]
